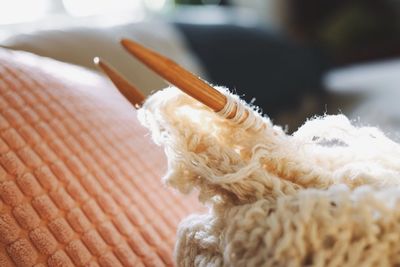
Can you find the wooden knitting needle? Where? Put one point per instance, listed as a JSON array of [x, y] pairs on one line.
[[129, 91], [178, 76]]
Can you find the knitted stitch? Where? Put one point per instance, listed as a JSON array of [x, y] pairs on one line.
[[327, 195]]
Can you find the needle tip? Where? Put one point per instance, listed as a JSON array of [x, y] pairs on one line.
[[96, 60], [176, 75], [125, 41], [129, 91]]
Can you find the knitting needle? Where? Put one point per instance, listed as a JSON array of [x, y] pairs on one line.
[[178, 76], [129, 91]]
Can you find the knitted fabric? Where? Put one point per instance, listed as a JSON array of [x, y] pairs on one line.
[[79, 177], [327, 195]]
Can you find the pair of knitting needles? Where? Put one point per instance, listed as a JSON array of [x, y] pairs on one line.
[[170, 71]]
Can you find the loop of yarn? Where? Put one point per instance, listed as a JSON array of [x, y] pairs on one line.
[[246, 117], [328, 195]]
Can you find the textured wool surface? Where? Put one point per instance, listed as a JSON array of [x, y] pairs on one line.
[[79, 178], [327, 195]]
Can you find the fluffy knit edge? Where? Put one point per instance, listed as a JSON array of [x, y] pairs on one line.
[[326, 195]]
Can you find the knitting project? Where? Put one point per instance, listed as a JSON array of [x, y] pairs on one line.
[[327, 195]]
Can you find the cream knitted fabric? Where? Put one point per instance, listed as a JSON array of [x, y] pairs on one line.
[[327, 195]]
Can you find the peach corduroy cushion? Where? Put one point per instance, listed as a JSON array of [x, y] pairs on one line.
[[79, 178]]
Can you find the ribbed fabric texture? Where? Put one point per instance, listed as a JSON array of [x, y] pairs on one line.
[[79, 179]]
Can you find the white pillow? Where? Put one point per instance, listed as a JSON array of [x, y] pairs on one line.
[[80, 45]]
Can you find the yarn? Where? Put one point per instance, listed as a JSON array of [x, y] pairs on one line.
[[326, 195]]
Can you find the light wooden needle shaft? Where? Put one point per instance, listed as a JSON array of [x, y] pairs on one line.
[[129, 91], [177, 75]]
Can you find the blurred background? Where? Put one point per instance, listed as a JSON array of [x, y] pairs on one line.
[[293, 58]]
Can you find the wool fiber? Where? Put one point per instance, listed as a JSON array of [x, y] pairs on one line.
[[326, 195]]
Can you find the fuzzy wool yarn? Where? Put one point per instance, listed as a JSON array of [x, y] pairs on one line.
[[327, 195]]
